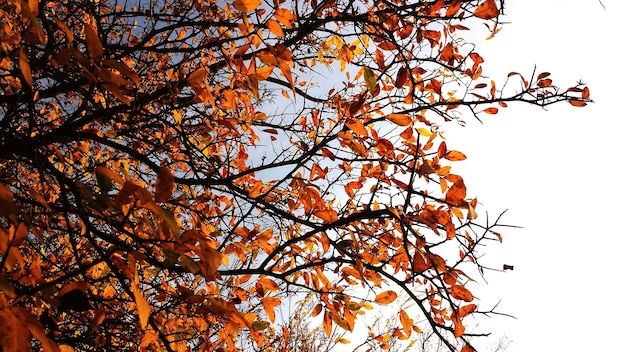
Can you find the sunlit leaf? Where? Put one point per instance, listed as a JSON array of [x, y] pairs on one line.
[[386, 297], [400, 119], [246, 5], [275, 28]]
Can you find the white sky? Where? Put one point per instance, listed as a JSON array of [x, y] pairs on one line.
[[559, 172]]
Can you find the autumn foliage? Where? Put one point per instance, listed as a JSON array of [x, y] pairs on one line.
[[171, 171]]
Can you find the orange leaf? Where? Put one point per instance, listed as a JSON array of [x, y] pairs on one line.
[[578, 103], [164, 185], [94, 46], [110, 174], [420, 263], [357, 126], [386, 297], [328, 323], [453, 8], [457, 192], [328, 215], [268, 305], [317, 310], [543, 75], [454, 155], [246, 5], [25, 67], [468, 348], [487, 10], [585, 93], [285, 17], [399, 119], [406, 322], [491, 111], [460, 292], [275, 28], [459, 328], [143, 308], [465, 310], [256, 189]]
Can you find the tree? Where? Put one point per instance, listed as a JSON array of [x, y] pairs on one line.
[[171, 170]]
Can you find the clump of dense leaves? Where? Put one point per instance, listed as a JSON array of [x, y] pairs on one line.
[[171, 170]]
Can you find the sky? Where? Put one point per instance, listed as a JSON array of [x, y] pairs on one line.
[[559, 173]]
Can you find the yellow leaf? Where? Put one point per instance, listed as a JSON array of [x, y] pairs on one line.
[[386, 297], [424, 132], [275, 28], [370, 79], [400, 119], [246, 5]]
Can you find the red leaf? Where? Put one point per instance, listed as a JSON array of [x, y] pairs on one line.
[[402, 77]]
